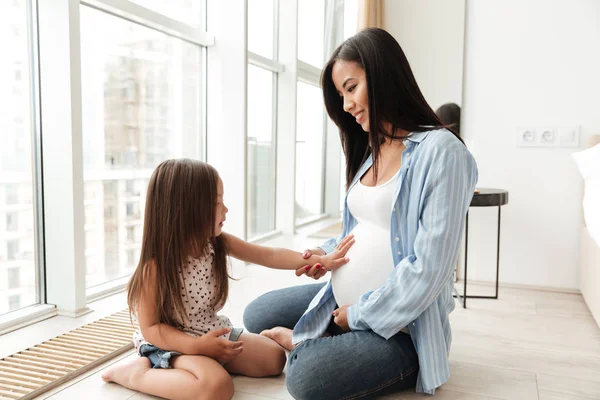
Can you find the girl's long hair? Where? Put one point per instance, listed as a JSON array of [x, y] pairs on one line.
[[393, 97], [179, 221]]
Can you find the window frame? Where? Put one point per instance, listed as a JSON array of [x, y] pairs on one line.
[[311, 75], [7, 320]]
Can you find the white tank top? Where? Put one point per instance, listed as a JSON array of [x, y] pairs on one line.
[[371, 262]]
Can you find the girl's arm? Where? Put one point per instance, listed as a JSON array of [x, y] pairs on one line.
[[167, 337], [279, 258]]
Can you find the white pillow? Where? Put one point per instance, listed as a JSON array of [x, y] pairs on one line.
[[588, 162]]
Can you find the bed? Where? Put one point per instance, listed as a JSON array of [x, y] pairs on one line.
[[589, 272]]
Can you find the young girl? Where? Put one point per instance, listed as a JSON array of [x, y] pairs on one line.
[[181, 282]]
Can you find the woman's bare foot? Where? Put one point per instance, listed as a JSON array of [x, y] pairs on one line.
[[281, 335], [127, 374]]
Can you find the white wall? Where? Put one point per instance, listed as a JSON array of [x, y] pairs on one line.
[[529, 63], [431, 33]]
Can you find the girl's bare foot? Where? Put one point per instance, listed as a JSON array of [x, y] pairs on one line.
[[281, 335], [126, 374]]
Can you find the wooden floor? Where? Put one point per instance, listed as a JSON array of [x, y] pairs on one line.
[[528, 344]]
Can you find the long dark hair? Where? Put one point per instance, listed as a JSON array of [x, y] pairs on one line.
[[394, 97], [179, 220], [449, 114]]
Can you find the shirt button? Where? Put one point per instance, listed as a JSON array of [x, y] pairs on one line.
[[414, 324], [394, 209], [397, 239], [399, 253]]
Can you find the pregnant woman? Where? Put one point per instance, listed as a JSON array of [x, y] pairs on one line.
[[381, 322]]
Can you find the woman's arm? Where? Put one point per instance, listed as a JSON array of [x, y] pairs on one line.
[[279, 258], [167, 337]]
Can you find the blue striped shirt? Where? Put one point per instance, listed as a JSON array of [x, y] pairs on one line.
[[433, 192]]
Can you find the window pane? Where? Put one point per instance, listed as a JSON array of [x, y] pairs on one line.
[[18, 270], [14, 278], [350, 18], [186, 11], [14, 302], [12, 222], [141, 105], [261, 27], [261, 152], [311, 31], [309, 152]]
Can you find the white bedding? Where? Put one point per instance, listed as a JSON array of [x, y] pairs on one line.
[[588, 162]]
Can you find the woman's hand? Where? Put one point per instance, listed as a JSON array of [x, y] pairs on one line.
[[218, 348], [329, 262], [340, 317]]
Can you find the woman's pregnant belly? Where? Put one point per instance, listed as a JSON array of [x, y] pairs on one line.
[[370, 265]]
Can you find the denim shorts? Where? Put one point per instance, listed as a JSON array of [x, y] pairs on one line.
[[160, 358]]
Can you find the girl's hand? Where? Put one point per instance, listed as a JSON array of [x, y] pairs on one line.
[[340, 317], [337, 258], [222, 350], [329, 262], [309, 253]]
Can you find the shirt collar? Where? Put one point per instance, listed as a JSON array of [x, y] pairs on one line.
[[417, 137]]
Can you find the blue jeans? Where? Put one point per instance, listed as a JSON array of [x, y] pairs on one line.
[[350, 365]]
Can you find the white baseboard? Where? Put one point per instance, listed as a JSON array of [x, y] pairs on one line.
[[27, 316], [522, 286]]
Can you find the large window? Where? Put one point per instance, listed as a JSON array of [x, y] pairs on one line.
[[262, 16], [350, 17], [18, 251], [141, 105], [124, 87], [310, 118], [261, 153], [261, 111], [186, 11], [311, 31], [310, 124], [14, 278]]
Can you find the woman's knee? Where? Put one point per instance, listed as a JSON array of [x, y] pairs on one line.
[[282, 307], [255, 315], [304, 387], [302, 377]]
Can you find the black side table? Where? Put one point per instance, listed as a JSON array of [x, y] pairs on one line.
[[483, 198]]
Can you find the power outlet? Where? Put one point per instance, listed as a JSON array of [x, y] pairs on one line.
[[526, 137], [547, 136]]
